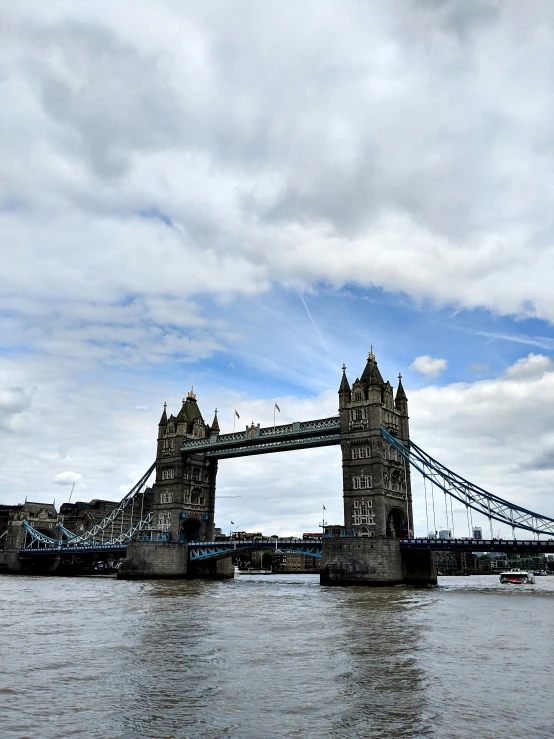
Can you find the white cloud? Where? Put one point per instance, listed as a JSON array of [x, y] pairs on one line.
[[530, 367], [67, 478], [322, 165], [14, 402], [429, 366]]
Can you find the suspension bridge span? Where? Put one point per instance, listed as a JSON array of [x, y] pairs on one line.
[[168, 529]]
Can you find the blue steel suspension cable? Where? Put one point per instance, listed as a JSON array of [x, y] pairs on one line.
[[426, 509], [433, 499], [470, 494]]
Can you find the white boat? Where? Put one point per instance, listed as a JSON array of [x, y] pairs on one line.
[[256, 572], [518, 577]]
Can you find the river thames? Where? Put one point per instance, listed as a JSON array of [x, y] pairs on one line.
[[275, 656]]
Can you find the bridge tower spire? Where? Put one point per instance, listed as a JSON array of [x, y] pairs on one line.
[[376, 482]]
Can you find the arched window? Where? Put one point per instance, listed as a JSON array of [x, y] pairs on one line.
[[196, 474]]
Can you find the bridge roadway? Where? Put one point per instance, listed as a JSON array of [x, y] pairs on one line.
[[256, 440], [57, 551], [312, 547], [510, 546]]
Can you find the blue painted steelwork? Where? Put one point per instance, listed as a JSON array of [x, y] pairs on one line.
[[67, 533], [74, 550], [220, 549], [256, 440], [99, 528], [469, 494], [81, 543], [38, 537]]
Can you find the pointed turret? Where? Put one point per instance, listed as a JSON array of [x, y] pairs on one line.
[[163, 419], [344, 389], [189, 413], [344, 384], [371, 374], [401, 405], [400, 401], [214, 429]]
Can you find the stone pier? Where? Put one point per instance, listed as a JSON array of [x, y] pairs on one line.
[[352, 560], [151, 560]]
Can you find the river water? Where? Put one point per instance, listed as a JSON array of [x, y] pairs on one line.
[[275, 656]]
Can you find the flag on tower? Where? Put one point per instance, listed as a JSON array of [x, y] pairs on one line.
[[277, 407], [324, 508], [232, 523], [236, 414]]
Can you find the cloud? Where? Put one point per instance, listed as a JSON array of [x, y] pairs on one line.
[[14, 401], [156, 162], [429, 366], [67, 478], [530, 367]]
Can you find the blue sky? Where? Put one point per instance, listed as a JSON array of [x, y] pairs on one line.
[[186, 199]]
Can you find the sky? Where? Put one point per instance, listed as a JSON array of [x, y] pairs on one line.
[[242, 196]]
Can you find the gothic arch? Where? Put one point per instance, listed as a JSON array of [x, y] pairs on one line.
[[191, 529], [397, 523]]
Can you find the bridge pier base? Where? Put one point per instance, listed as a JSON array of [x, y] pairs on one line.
[[150, 560], [220, 569], [352, 560], [419, 568], [147, 560]]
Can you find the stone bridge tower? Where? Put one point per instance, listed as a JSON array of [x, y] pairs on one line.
[[376, 479], [184, 491], [376, 490]]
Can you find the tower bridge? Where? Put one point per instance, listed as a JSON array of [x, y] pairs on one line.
[[168, 530]]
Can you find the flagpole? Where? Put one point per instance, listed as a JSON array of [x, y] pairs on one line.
[[274, 415], [234, 419]]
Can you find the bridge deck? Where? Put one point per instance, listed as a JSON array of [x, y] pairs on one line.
[[218, 548], [510, 546], [256, 440]]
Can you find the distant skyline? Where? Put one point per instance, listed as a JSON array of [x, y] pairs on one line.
[[243, 196]]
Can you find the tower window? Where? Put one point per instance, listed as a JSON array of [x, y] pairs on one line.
[[166, 497], [164, 519], [357, 395], [168, 473], [358, 414], [360, 483], [196, 474]]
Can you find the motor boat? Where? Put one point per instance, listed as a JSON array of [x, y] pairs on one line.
[[518, 577]]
